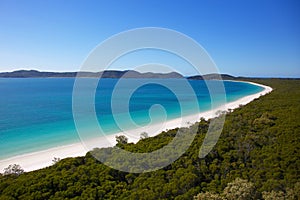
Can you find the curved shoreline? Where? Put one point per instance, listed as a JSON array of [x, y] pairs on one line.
[[41, 159]]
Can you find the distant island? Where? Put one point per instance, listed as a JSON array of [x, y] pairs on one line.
[[103, 74], [109, 74], [213, 77]]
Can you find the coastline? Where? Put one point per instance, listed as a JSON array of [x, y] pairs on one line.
[[41, 159]]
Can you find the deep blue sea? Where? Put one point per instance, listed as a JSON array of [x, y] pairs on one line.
[[36, 113]]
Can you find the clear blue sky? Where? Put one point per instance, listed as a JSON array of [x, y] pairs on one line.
[[244, 37]]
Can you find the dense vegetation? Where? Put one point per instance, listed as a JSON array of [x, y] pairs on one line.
[[256, 157]]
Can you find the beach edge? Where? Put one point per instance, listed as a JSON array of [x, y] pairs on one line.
[[41, 159]]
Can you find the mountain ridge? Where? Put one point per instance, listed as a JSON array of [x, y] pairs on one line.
[[110, 74]]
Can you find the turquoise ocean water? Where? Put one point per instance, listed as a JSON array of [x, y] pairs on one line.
[[36, 114]]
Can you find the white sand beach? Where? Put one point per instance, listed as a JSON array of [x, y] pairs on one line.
[[41, 159]]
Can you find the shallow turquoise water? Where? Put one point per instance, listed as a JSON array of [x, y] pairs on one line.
[[36, 114]]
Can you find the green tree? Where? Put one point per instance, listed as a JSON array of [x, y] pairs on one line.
[[144, 135], [121, 139], [13, 170], [273, 195], [239, 189], [55, 160], [208, 196]]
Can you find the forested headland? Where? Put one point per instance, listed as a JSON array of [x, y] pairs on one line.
[[256, 157]]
